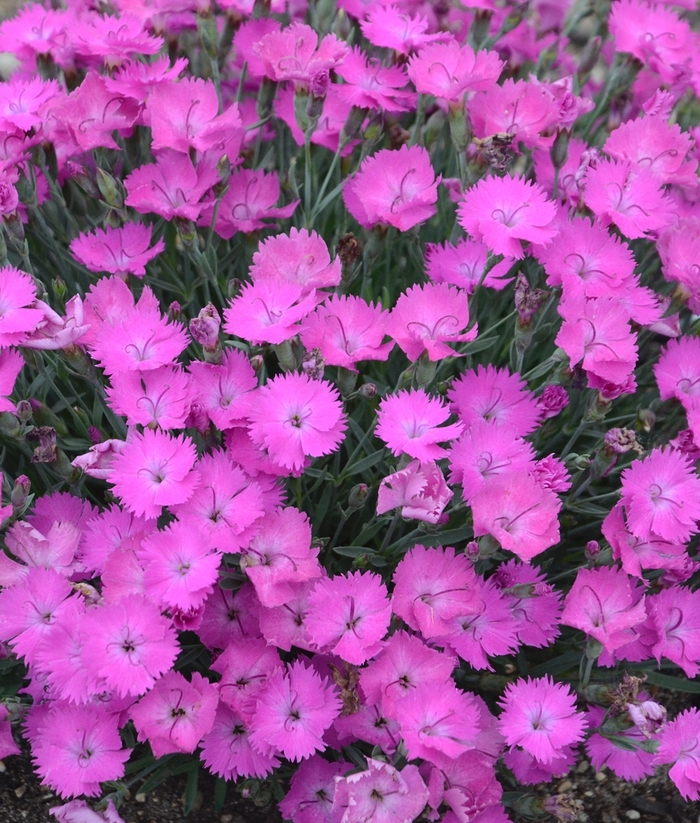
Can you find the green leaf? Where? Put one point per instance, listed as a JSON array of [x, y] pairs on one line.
[[191, 788], [220, 790], [559, 665], [352, 551], [675, 684], [480, 344], [364, 464]]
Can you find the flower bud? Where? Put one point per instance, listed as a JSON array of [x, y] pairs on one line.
[[205, 327], [110, 189], [560, 149], [46, 450], [646, 420], [257, 361], [20, 494], [367, 390], [175, 310], [24, 411], [589, 57], [358, 496], [313, 364]]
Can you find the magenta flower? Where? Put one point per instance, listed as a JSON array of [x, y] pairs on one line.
[[677, 371], [78, 811], [293, 712], [540, 716], [295, 417], [221, 391], [249, 200], [370, 85], [76, 748], [628, 195], [631, 765], [674, 614], [409, 423], [680, 746], [448, 70], [419, 490], [7, 743], [11, 363], [394, 187], [300, 257], [310, 797], [128, 645], [154, 470], [117, 251], [18, 317], [349, 615], [494, 395], [535, 604], [520, 514], [226, 749], [381, 794], [294, 53], [463, 265], [661, 495], [161, 397], [113, 37], [388, 27], [20, 100], [346, 330], [679, 249], [426, 318], [503, 211], [604, 604], [245, 667], [175, 714]]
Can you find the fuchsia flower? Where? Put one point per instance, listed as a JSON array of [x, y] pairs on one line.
[[346, 330], [113, 37], [448, 70], [292, 713], [226, 749], [117, 251], [540, 716], [300, 257], [175, 714], [633, 765], [606, 605], [310, 797], [535, 604], [349, 615], [20, 100], [503, 211], [394, 187], [295, 417], [674, 614], [388, 27], [154, 470], [679, 249], [11, 363], [245, 667], [661, 495], [677, 371], [381, 794], [161, 397], [409, 423], [419, 489], [370, 85], [222, 391], [680, 746], [463, 265], [76, 748], [18, 317], [78, 811], [294, 53], [426, 318]]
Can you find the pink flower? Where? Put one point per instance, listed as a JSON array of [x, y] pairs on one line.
[[293, 711], [535, 604], [628, 195], [154, 470], [381, 794], [426, 318], [518, 513], [388, 27], [680, 746], [113, 37], [604, 604], [661, 494], [310, 797], [540, 716], [674, 614], [11, 363], [679, 248], [76, 748], [409, 423], [677, 371], [226, 749], [494, 395], [160, 397], [300, 257], [295, 417], [294, 53], [394, 187], [349, 615], [346, 330], [419, 489], [245, 667], [463, 265], [222, 391], [370, 85], [17, 295], [175, 714], [448, 70], [78, 811], [249, 200], [117, 251], [7, 743], [632, 765], [128, 644], [502, 211]]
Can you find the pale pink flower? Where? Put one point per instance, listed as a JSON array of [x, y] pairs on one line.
[[394, 187], [295, 417], [503, 211], [410, 423], [427, 317]]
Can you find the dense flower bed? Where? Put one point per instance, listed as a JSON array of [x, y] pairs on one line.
[[349, 399]]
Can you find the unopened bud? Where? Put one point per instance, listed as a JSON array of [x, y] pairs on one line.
[[208, 32], [14, 227], [353, 124], [20, 493], [358, 496], [257, 361], [110, 189], [367, 390], [175, 310], [10, 425], [266, 94], [592, 550], [589, 57], [24, 411], [205, 327], [86, 183], [560, 149], [646, 420]]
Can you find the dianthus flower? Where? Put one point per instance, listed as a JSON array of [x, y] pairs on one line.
[[677, 371], [628, 195], [503, 211], [176, 713], [409, 423], [631, 764], [117, 251], [427, 317], [154, 470], [128, 645], [448, 70], [245, 667], [370, 85], [20, 99], [114, 38], [295, 417], [18, 317], [138, 80], [226, 749], [300, 257], [661, 495], [388, 27], [604, 603], [312, 789], [674, 614], [463, 265], [419, 489], [221, 390], [680, 746], [347, 329], [160, 397], [11, 363], [679, 249], [292, 713], [381, 794], [394, 187], [77, 748], [349, 615], [534, 603], [294, 53], [494, 395], [540, 716]]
